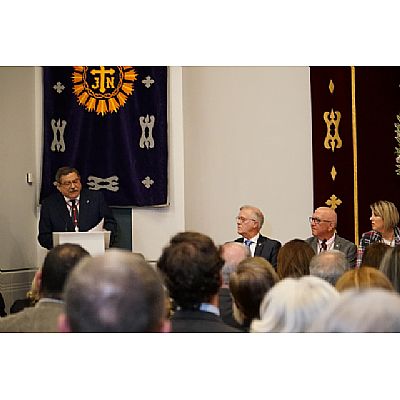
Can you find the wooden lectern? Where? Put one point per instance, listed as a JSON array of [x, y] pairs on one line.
[[94, 242]]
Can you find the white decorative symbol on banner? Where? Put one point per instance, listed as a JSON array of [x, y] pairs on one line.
[[59, 87], [58, 143], [148, 81], [148, 123], [110, 183], [147, 182]]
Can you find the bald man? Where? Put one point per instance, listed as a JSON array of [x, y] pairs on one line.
[[323, 228]]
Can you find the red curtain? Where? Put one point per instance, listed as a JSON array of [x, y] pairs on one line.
[[353, 134]]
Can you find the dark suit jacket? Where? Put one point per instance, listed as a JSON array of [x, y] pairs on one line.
[[225, 308], [344, 245], [55, 217], [198, 322], [266, 248]]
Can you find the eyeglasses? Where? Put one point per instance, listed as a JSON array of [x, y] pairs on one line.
[[317, 220], [243, 219], [69, 183]]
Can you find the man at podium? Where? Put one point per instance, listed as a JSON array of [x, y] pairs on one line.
[[73, 209]]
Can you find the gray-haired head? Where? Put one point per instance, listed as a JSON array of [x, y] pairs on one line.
[[361, 310], [115, 292], [329, 265], [257, 214], [293, 304]]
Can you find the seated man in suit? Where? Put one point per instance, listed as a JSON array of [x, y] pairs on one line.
[[114, 292], [249, 223], [323, 228], [43, 317], [191, 265], [73, 208]]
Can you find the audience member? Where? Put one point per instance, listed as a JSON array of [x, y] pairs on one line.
[[324, 236], [293, 304], [114, 292], [73, 208], [249, 223], [232, 253], [2, 306], [390, 266], [363, 277], [31, 298], [384, 220], [358, 311], [373, 254], [43, 317], [294, 259], [329, 265], [248, 284], [191, 265]]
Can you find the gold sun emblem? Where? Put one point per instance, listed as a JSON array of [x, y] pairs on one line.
[[103, 89]]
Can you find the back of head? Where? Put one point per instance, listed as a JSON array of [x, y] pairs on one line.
[[57, 265], [294, 259], [232, 253], [253, 278], [373, 254], [293, 304], [115, 292], [361, 310], [363, 277], [191, 265], [390, 266], [329, 265]]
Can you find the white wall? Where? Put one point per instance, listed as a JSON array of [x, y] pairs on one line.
[[18, 216], [247, 141]]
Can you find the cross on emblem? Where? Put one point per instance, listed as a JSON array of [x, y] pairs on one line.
[[147, 182], [333, 202], [59, 87], [148, 81]]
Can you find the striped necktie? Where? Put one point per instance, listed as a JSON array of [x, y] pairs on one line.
[[74, 214]]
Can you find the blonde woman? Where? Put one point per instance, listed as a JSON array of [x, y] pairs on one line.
[[384, 219]]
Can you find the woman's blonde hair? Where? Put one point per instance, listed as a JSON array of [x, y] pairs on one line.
[[363, 277], [387, 211]]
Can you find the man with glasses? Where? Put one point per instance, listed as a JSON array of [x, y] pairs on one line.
[[73, 208], [249, 223], [323, 228]]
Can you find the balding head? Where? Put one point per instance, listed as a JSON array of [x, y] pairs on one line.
[[232, 253], [323, 223], [115, 292], [328, 214]]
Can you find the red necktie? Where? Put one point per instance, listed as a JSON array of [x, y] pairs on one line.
[[74, 214]]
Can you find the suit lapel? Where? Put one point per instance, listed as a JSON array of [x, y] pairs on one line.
[[259, 246], [314, 244]]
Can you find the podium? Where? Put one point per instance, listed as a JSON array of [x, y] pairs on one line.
[[95, 243]]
